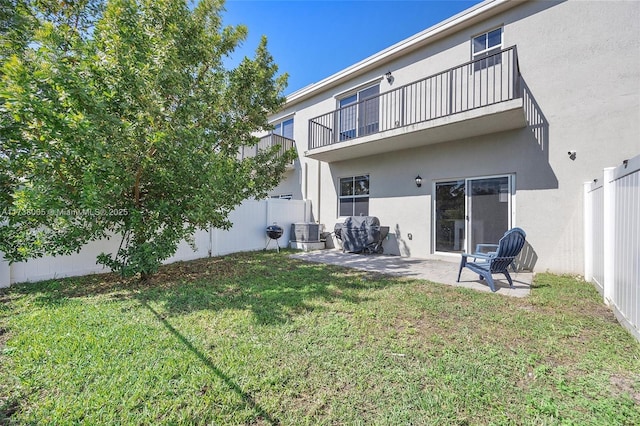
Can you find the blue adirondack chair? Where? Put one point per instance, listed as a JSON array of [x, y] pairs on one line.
[[495, 262]]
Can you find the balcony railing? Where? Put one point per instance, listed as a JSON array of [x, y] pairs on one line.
[[475, 84], [266, 142]]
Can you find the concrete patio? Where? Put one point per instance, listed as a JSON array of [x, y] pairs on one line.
[[438, 271]]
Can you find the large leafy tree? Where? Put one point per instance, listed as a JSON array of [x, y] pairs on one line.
[[121, 119]]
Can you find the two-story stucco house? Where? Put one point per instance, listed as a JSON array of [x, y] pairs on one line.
[[503, 111]]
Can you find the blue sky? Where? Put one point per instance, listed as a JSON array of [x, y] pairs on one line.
[[311, 40]]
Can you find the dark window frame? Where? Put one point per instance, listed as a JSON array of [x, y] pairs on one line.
[[353, 195]]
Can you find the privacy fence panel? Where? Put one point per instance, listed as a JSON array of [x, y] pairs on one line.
[[250, 220], [248, 230], [626, 276], [201, 248], [595, 217], [48, 267], [612, 240]]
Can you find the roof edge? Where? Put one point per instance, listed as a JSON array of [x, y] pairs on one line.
[[480, 11]]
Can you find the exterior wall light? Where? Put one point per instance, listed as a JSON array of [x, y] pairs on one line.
[[418, 181], [389, 76]]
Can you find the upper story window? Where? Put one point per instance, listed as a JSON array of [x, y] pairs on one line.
[[284, 128], [486, 45], [360, 113]]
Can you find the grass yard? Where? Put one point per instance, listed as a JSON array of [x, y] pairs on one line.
[[259, 338]]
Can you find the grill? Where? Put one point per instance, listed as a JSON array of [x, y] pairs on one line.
[[273, 233], [361, 234]]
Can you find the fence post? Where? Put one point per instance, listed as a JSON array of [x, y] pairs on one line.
[[609, 234], [269, 213], [210, 241], [5, 272], [588, 232]]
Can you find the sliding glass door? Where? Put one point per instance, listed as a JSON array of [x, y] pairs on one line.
[[359, 113], [471, 211], [450, 216], [488, 208]]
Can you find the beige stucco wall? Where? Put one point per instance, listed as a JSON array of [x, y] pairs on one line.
[[580, 62]]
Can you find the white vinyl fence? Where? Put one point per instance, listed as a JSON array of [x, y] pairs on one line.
[[248, 233], [612, 240]]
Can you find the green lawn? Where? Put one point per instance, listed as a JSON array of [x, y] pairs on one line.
[[259, 338]]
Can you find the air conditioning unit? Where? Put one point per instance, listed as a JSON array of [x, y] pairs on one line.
[[305, 232]]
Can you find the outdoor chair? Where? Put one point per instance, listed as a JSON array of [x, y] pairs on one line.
[[495, 262]]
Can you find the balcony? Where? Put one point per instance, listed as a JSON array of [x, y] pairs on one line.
[[479, 97], [266, 142]]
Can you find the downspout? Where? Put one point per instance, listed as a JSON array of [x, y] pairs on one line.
[[319, 189], [305, 184]]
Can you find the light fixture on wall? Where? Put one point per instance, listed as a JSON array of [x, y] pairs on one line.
[[389, 76], [418, 181]]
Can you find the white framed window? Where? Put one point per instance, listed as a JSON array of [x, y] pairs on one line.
[[284, 128], [486, 45], [353, 196], [359, 113]]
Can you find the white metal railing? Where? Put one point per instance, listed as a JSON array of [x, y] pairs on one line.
[[612, 240]]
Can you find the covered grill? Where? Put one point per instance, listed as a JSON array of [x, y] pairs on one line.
[[361, 234], [273, 233]]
